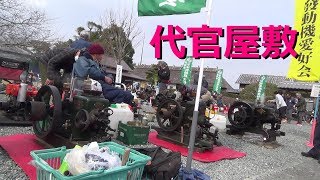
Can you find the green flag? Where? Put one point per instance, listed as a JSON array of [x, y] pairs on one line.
[[218, 82], [185, 76], [261, 88], [169, 7]]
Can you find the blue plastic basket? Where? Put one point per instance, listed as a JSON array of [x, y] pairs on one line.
[[48, 162]]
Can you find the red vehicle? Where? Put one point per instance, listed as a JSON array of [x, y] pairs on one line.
[[15, 76]]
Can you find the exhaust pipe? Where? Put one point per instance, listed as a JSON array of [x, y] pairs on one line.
[[36, 111]]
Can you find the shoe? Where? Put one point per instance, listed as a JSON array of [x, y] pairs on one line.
[[284, 121], [306, 154], [299, 124]]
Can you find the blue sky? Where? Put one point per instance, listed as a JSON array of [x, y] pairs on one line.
[[67, 15]]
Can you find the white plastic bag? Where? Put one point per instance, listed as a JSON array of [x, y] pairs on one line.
[[90, 157], [101, 159], [113, 158], [77, 162]]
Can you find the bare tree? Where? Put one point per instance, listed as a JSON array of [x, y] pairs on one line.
[[21, 25], [122, 29]]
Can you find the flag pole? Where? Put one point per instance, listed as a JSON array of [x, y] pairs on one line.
[[196, 106]]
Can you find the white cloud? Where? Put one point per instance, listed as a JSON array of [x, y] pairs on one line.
[[38, 3]]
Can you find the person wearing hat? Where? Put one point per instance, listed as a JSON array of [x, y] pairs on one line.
[[82, 42], [89, 66], [164, 76]]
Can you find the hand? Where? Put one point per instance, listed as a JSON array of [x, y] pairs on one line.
[[107, 80], [49, 82]]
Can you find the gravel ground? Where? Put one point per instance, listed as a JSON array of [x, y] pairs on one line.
[[284, 162], [260, 162], [9, 170]]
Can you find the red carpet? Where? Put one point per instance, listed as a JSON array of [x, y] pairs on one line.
[[218, 153], [18, 147]]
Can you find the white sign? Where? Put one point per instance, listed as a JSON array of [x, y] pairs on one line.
[[170, 3], [315, 90], [118, 74]]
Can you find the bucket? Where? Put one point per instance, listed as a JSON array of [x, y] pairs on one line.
[[219, 122], [120, 114]]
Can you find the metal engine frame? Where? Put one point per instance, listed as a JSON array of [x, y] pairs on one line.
[[174, 119], [14, 70], [245, 117], [63, 122]]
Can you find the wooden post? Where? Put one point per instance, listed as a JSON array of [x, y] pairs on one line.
[[125, 157]]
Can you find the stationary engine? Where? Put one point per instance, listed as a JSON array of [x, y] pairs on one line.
[[85, 118], [244, 117], [18, 94], [175, 118]]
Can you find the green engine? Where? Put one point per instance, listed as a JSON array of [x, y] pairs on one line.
[[91, 117], [85, 118]]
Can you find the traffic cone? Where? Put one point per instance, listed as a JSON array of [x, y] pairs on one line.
[[310, 142]]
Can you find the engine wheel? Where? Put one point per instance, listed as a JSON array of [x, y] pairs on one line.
[[82, 120], [51, 97], [240, 115], [169, 115]]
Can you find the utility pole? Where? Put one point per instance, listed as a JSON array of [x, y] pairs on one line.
[[142, 49]]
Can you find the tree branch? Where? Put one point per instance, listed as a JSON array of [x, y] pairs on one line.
[[127, 34], [21, 24]]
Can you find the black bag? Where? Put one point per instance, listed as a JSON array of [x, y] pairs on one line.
[[164, 166]]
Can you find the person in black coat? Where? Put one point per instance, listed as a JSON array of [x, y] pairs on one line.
[[164, 76], [205, 83], [63, 58], [55, 60]]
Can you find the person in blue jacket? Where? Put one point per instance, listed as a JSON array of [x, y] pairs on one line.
[[82, 43], [89, 66]]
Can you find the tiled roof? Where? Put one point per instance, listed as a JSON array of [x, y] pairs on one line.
[[296, 85], [253, 78], [125, 74], [14, 54], [111, 62], [280, 81], [175, 71]]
